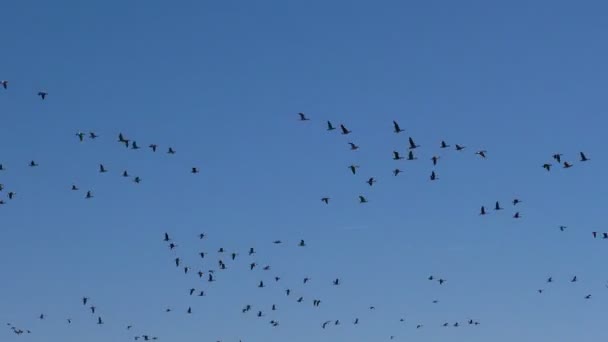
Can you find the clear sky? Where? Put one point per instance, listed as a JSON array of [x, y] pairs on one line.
[[222, 82]]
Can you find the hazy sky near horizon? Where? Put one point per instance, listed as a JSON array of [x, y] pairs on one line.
[[222, 83]]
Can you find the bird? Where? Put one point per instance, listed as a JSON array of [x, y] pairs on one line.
[[547, 166], [89, 194], [122, 139], [481, 153], [85, 300], [125, 173], [344, 130], [11, 195], [396, 156], [137, 180], [567, 165], [434, 176], [588, 296], [43, 94], [444, 144], [396, 127], [33, 164], [92, 135], [396, 172], [336, 282], [410, 156], [74, 188], [353, 147], [80, 136], [303, 117], [483, 210], [189, 311], [4, 84], [558, 157], [441, 281], [583, 157], [194, 170], [302, 244], [325, 199], [99, 321], [516, 215], [134, 145], [460, 147], [371, 181], [171, 150], [102, 169], [362, 199], [497, 206], [435, 159], [574, 279], [412, 144], [330, 127], [353, 169], [153, 147], [324, 325], [550, 280], [516, 201]]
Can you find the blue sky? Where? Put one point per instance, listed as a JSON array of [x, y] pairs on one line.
[[222, 83]]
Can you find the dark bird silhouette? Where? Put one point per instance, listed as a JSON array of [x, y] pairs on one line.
[[344, 130], [33, 164], [434, 176], [444, 144], [302, 243], [353, 169], [303, 117], [558, 157], [460, 147], [362, 199], [413, 145], [85, 300], [562, 228], [80, 136], [171, 150], [371, 181], [125, 173], [516, 201], [89, 194], [396, 172], [99, 321], [435, 159], [194, 170], [134, 145], [517, 215], [324, 325], [122, 139], [330, 127], [604, 235], [11, 195], [137, 180], [497, 206], [396, 127], [102, 169], [396, 156], [92, 135], [43, 94], [4, 84], [336, 282], [567, 165], [547, 166], [325, 199], [167, 238], [481, 153], [483, 210], [583, 157], [353, 147], [588, 296], [74, 188], [410, 156], [153, 147], [189, 311], [574, 279]]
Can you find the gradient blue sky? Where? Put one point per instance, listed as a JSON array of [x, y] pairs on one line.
[[222, 82]]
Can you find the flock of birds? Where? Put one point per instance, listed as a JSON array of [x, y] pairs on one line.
[[210, 265]]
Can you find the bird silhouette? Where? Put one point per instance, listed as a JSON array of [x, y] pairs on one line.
[[583, 157], [547, 166], [362, 199], [4, 84], [330, 127], [481, 153], [303, 117], [353, 169], [325, 199], [353, 147], [413, 145], [396, 156], [396, 127], [43, 94], [344, 130]]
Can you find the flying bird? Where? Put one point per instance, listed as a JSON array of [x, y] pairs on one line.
[[481, 153], [330, 127], [434, 176], [412, 143], [4, 84], [497, 206], [353, 147], [344, 130], [410, 156], [483, 210], [353, 168], [153, 147], [362, 199], [396, 127], [303, 117], [396, 156], [102, 168], [171, 150], [43, 94], [435, 159], [547, 166], [194, 170], [371, 181], [558, 157], [567, 165], [396, 172], [325, 199], [444, 144], [583, 157]]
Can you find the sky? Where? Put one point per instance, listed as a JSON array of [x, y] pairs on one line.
[[222, 83]]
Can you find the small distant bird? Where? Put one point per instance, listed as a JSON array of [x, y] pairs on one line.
[[588, 296], [167, 238], [330, 127], [171, 151], [189, 311], [42, 94], [85, 300], [558, 157], [517, 215], [604, 235], [483, 210], [547, 166], [4, 84], [353, 169], [434, 176], [99, 321], [302, 244], [412, 143], [574, 279], [396, 127], [362, 199], [303, 117], [410, 156], [80, 136], [102, 169], [344, 130], [137, 180], [567, 165], [353, 147], [562, 228], [153, 147], [11, 195], [396, 172], [516, 201], [583, 157], [497, 206], [325, 199], [251, 251], [277, 242], [125, 173], [460, 147], [336, 282], [481, 153], [396, 156], [550, 280], [74, 188], [89, 194], [435, 159], [201, 236], [33, 164], [371, 181], [324, 325], [92, 135], [441, 281], [444, 144], [194, 170]]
